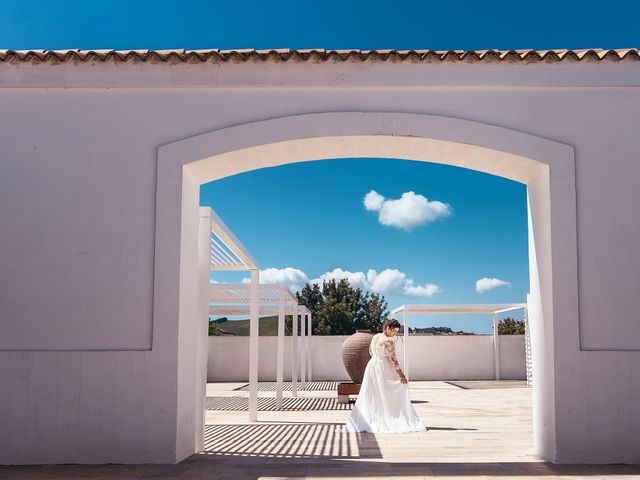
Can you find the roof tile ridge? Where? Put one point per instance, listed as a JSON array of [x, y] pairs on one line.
[[320, 55]]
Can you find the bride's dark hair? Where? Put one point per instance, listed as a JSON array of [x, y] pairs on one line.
[[391, 323]]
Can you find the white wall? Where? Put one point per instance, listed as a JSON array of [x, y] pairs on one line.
[[89, 369], [431, 358]]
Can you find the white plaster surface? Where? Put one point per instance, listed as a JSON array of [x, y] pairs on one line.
[[431, 358], [91, 346]]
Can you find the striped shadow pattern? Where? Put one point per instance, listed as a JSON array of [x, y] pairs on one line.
[[489, 384], [290, 440], [269, 404], [286, 387]]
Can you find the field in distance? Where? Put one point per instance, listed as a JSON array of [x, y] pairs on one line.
[[267, 326]]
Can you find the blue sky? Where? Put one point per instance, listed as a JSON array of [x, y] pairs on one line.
[[427, 234], [325, 224], [438, 25]]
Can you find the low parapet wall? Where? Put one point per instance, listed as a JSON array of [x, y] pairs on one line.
[[460, 357]]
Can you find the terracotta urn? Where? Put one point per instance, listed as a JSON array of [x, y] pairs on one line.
[[355, 354]]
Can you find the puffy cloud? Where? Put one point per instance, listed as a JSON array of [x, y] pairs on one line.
[[356, 279], [485, 284], [407, 212], [426, 290], [388, 281], [211, 280], [373, 201], [293, 278]]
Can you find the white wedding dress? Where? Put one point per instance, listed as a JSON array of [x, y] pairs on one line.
[[383, 404]]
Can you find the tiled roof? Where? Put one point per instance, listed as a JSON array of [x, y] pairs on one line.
[[318, 56]]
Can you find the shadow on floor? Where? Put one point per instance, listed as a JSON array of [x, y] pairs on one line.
[[248, 467], [287, 386], [289, 440], [450, 429], [269, 404], [254, 468]]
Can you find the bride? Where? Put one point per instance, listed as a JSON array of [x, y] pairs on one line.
[[383, 404]]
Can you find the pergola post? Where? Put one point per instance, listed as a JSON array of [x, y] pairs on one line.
[[294, 349], [405, 317], [253, 346], [527, 344], [496, 347], [280, 352], [309, 347], [303, 357]]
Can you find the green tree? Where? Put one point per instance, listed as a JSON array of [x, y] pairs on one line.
[[510, 326], [214, 329], [337, 308]]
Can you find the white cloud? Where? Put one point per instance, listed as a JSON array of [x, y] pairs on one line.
[[388, 281], [407, 212], [373, 201], [293, 278], [485, 284], [426, 290], [356, 279]]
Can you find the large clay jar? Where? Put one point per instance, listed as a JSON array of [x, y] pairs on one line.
[[355, 354]]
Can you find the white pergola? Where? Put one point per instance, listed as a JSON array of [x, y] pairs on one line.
[[226, 252], [273, 299], [494, 309]]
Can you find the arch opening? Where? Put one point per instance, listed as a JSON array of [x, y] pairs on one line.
[[546, 167]]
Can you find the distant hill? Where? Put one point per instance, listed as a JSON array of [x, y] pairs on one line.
[[267, 326], [436, 331]]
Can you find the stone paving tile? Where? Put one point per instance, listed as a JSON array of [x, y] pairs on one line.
[[471, 434], [257, 468]]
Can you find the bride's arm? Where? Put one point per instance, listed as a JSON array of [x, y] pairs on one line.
[[390, 351]]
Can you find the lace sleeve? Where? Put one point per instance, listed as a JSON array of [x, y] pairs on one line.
[[372, 343], [390, 351]]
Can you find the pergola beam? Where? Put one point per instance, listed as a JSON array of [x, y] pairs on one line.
[[458, 308], [230, 241], [424, 309], [240, 309]]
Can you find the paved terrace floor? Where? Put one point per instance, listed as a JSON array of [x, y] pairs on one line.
[[471, 434]]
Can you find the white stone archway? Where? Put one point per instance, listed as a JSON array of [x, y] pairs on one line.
[[545, 166]]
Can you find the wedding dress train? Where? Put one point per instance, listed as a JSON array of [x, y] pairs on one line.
[[383, 404]]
